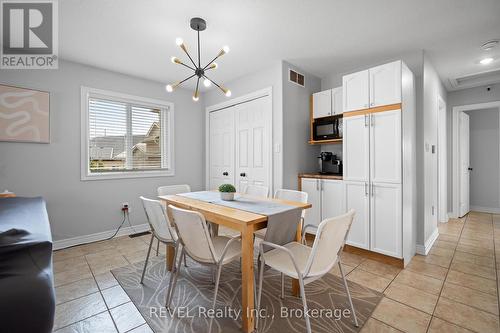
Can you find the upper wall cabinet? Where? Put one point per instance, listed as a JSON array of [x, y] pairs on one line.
[[327, 103], [373, 87], [322, 104], [356, 95], [385, 84]]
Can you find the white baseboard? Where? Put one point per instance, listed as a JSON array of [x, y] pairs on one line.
[[492, 210], [424, 249], [64, 243], [451, 215], [446, 219]]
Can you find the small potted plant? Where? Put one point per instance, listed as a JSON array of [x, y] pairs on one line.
[[227, 192]]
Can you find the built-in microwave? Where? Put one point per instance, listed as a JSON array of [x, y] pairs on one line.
[[327, 128]]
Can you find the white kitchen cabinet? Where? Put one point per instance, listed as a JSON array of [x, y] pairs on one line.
[[386, 217], [312, 187], [385, 84], [337, 106], [355, 91], [326, 197], [356, 148], [385, 146], [322, 104], [357, 197]]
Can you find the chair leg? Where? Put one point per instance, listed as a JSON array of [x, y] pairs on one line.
[[348, 295], [147, 257], [259, 296], [185, 262], [158, 248], [282, 286], [217, 281], [173, 280], [304, 302]]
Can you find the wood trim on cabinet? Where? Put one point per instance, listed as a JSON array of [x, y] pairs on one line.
[[375, 256], [383, 108]]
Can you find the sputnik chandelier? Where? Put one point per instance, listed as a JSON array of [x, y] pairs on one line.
[[198, 24]]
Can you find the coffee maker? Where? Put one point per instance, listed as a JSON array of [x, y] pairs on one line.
[[329, 164]]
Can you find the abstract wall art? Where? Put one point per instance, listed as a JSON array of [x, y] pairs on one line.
[[24, 115]]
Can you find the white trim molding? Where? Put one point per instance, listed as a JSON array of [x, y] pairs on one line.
[[167, 120], [424, 249], [99, 236], [455, 192], [491, 210]]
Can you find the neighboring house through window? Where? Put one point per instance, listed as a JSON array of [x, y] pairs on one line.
[[125, 136]]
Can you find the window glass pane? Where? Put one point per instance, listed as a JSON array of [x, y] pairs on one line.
[[146, 138], [107, 135]]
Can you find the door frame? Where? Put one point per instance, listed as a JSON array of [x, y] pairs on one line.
[[266, 92], [442, 161], [455, 192]]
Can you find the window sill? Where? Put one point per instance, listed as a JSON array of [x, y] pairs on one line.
[[127, 175]]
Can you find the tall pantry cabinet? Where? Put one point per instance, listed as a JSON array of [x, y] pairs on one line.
[[379, 159]]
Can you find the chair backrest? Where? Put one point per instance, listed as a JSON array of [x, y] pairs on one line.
[[173, 189], [257, 190], [330, 239], [158, 220], [193, 234], [292, 195]]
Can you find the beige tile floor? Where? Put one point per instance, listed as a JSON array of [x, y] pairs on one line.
[[452, 289]]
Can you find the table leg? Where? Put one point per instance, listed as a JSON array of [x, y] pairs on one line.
[[170, 256], [247, 283], [295, 282]]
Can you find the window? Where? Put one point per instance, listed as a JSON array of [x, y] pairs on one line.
[[125, 136]]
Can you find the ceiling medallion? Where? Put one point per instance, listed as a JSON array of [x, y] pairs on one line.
[[198, 24]]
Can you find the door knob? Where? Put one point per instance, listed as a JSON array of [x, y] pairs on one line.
[[243, 174], [225, 173], [469, 168]]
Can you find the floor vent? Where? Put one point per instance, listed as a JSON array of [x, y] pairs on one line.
[[476, 80], [295, 77]]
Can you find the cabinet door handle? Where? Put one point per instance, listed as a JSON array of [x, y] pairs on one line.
[[372, 104], [225, 173], [371, 120], [321, 182], [243, 174], [373, 190], [366, 120], [366, 189], [317, 185]]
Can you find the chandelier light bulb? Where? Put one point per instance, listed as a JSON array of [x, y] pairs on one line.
[[486, 61], [207, 83], [228, 93], [195, 98], [169, 88], [174, 60], [179, 41], [226, 49], [214, 65]]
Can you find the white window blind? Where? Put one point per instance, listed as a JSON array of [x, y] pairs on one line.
[[126, 136]]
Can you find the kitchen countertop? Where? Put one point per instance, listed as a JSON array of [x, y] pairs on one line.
[[319, 175]]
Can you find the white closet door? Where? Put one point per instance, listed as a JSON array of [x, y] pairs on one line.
[[386, 219], [356, 197], [355, 90], [221, 147], [356, 148], [385, 147], [385, 84], [253, 142]]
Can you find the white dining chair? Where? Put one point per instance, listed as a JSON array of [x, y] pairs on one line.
[[160, 227], [196, 242], [307, 264], [169, 190], [256, 190]]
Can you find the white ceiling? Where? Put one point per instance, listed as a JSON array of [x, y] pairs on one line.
[[321, 36]]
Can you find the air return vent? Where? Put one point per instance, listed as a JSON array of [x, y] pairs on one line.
[[476, 80], [295, 77]]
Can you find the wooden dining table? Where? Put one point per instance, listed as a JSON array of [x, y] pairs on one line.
[[244, 222]]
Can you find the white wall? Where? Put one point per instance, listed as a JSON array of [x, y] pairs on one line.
[[464, 97], [484, 159], [269, 77], [298, 155], [76, 207]]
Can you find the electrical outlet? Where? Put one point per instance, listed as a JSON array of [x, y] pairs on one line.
[[125, 206]]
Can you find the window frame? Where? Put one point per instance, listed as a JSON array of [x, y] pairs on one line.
[[167, 121]]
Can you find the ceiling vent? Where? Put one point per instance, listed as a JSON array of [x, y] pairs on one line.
[[295, 77], [476, 80]]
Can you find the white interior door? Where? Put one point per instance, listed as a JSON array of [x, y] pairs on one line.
[[464, 163], [221, 147], [253, 143]]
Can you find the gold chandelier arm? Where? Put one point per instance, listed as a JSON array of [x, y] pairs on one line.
[[196, 91], [184, 48], [224, 90]]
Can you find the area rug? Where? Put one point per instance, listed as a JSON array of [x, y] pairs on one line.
[[192, 302]]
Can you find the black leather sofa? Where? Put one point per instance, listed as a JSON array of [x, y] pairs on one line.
[[27, 300]]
